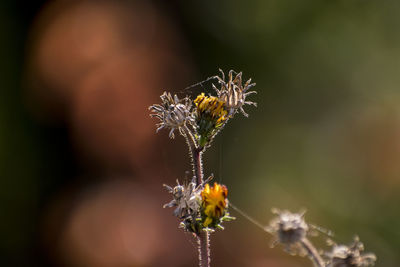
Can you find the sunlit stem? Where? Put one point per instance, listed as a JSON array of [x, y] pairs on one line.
[[196, 153], [191, 142], [203, 238], [312, 253], [203, 241], [198, 165]]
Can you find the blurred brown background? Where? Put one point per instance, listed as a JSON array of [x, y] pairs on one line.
[[81, 167]]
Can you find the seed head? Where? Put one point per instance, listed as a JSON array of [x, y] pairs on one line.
[[186, 199], [173, 113], [350, 256], [289, 229], [234, 92]]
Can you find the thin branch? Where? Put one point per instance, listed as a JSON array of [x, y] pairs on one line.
[[191, 135], [196, 154], [190, 141], [312, 252]]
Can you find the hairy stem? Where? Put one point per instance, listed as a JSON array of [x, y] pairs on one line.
[[196, 153], [203, 240], [190, 141], [198, 165], [312, 253]]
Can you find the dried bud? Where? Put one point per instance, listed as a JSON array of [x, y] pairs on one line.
[[173, 113], [233, 92], [289, 229], [350, 256], [186, 199]]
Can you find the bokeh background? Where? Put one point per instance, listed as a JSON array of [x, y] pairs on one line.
[[81, 168]]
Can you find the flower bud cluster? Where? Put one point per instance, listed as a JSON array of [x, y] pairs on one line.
[[199, 207], [204, 117]]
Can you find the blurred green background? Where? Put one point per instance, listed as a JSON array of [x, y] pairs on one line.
[[325, 135]]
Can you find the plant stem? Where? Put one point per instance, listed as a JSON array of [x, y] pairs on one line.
[[203, 240], [198, 165], [190, 141], [312, 253], [196, 153]]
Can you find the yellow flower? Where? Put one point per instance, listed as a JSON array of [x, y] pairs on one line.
[[213, 107], [210, 116], [214, 203]]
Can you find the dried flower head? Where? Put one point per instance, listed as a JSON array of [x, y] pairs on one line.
[[210, 117], [289, 229], [173, 113], [186, 199], [234, 92], [214, 204], [350, 256]]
